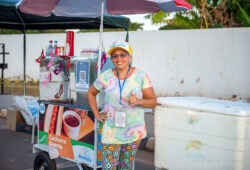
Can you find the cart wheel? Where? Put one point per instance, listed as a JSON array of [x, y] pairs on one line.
[[85, 167], [43, 162]]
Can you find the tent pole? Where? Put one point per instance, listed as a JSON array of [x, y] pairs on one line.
[[24, 61], [24, 53]]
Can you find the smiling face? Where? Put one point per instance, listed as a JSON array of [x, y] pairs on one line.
[[121, 59]]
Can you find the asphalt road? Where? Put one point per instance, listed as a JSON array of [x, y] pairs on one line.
[[16, 153]]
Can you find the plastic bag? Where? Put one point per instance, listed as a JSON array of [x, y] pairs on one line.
[[28, 106]]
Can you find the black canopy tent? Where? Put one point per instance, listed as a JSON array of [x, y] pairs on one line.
[[13, 18]]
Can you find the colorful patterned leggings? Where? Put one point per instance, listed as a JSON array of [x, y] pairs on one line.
[[119, 155]]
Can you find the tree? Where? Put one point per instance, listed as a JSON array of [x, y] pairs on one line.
[[241, 11], [207, 14]]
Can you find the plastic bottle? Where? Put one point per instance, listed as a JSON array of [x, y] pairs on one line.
[[47, 51], [55, 48], [50, 47]]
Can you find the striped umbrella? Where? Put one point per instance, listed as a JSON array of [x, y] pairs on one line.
[[92, 8]]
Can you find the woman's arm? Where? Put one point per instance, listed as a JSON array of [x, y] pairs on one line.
[[148, 101], [92, 92]]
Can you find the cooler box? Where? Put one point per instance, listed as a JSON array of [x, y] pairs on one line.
[[195, 133]]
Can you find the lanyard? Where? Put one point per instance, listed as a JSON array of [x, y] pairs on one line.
[[121, 86]]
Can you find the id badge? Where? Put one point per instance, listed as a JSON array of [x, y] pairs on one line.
[[120, 117]]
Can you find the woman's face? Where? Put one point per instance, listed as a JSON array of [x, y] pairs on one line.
[[121, 59]]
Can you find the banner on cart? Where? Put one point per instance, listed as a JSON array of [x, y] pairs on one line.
[[70, 130]]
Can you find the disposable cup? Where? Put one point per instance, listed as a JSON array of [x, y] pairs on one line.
[[71, 124]]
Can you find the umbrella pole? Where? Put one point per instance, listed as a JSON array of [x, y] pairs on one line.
[[100, 39], [98, 73]]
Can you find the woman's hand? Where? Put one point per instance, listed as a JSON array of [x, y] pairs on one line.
[[148, 100], [102, 117], [132, 99], [82, 113]]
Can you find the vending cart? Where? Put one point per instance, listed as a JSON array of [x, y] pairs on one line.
[[66, 125]]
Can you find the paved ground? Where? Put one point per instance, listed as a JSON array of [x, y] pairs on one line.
[[16, 153]]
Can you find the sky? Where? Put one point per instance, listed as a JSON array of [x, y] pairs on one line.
[[139, 18]]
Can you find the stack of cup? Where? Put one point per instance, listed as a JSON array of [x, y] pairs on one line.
[[69, 48]]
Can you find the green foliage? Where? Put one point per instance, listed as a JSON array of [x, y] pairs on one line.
[[208, 14], [135, 26], [9, 31], [243, 16], [12, 31], [104, 30], [157, 18], [181, 21]]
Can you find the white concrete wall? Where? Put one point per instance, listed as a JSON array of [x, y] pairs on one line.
[[211, 63]]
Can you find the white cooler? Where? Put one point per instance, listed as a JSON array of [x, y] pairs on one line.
[[195, 133]]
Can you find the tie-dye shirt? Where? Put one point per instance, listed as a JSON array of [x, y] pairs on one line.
[[135, 128]]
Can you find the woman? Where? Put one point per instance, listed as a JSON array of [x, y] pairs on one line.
[[127, 91]]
